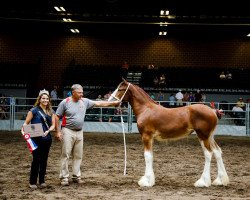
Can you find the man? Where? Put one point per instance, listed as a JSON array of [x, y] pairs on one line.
[[179, 98], [72, 110], [238, 112], [54, 96], [171, 100], [124, 70], [198, 96], [241, 103], [53, 93]]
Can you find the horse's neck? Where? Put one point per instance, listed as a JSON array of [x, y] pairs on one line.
[[139, 100]]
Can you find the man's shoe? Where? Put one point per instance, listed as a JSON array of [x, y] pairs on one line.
[[33, 186], [65, 183], [78, 181]]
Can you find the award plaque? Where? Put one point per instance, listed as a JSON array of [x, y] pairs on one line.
[[34, 130]]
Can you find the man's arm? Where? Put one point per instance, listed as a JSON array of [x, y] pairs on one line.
[[58, 133], [107, 103]]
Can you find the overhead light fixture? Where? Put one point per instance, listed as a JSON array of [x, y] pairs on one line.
[[163, 24], [59, 9], [164, 12], [74, 30], [67, 20], [163, 33], [248, 35]]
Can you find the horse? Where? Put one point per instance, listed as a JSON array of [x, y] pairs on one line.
[[157, 122]]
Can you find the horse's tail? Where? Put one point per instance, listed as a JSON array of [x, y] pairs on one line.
[[218, 112]]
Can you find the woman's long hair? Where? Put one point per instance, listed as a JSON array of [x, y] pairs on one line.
[[48, 107]]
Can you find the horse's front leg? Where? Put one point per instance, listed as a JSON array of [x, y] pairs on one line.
[[148, 180]]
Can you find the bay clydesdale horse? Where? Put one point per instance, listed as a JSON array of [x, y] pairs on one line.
[[156, 121]]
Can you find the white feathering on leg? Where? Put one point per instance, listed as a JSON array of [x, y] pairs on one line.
[[148, 180], [222, 177]]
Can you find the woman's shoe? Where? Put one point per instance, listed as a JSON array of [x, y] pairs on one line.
[[33, 186], [43, 185]]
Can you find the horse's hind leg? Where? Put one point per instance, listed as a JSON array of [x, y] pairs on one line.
[[148, 180], [222, 177], [205, 179]]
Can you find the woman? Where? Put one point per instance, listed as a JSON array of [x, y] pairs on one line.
[[41, 113]]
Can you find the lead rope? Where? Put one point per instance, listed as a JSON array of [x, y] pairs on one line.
[[124, 136], [125, 149]]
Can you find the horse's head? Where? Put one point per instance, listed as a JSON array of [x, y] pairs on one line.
[[120, 92]]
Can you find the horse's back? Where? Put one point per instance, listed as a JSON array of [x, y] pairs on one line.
[[203, 110]]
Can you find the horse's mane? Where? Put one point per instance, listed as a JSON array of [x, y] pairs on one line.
[[141, 90]]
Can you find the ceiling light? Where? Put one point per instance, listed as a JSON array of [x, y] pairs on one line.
[[163, 24], [164, 12], [162, 33], [74, 30], [59, 9], [248, 35], [62, 9], [67, 20]]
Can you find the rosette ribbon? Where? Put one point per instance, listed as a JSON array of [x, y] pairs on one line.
[[31, 144]]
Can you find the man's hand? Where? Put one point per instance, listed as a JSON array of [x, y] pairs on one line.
[[59, 135], [116, 103]]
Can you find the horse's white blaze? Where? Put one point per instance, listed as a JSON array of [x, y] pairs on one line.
[[222, 177], [148, 179], [205, 179]]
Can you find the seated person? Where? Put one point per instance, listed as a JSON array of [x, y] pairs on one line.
[[2, 113], [124, 70], [222, 76], [171, 101], [162, 81], [238, 112], [152, 96], [156, 81], [241, 103]]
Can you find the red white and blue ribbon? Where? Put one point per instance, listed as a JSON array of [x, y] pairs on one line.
[[31, 145]]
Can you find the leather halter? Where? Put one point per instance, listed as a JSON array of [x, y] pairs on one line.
[[114, 93]]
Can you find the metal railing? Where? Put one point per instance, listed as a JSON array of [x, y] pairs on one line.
[[15, 108]]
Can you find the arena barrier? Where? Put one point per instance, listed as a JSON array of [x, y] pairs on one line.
[[108, 120]]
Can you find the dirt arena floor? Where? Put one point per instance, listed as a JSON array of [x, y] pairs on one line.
[[177, 165]]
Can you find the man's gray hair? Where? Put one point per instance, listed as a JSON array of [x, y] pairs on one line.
[[75, 87]]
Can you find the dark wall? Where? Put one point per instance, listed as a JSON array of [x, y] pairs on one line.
[[52, 55]]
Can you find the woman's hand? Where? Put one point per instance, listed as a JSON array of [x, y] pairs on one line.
[[46, 133], [22, 130]]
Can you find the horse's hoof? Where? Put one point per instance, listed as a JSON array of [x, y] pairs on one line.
[[221, 181], [201, 183], [146, 182]]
